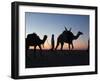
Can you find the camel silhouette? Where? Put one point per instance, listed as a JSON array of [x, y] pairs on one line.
[[34, 40], [67, 37]]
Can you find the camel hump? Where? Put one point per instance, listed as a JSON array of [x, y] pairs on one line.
[[33, 37], [70, 33]]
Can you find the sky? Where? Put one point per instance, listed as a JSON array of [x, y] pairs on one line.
[[49, 23]]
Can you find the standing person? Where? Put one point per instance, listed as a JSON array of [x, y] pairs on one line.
[[52, 42]]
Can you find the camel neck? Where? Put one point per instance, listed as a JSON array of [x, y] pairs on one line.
[[76, 37]]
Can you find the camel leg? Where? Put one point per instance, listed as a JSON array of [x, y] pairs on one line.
[[72, 46], [57, 45], [35, 55], [69, 46], [62, 45], [40, 50], [40, 47], [35, 48]]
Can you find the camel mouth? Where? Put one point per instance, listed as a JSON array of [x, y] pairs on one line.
[[80, 33]]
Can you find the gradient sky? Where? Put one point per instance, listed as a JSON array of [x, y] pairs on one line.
[[48, 24]]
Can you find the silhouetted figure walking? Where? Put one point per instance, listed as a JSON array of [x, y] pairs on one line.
[[52, 42]]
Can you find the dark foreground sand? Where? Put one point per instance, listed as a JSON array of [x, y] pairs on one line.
[[48, 58]]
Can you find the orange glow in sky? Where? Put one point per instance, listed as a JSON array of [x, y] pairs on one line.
[[78, 45]]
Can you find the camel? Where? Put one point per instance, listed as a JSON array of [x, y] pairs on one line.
[[67, 37], [34, 40]]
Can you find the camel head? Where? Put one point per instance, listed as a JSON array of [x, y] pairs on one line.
[[44, 39], [80, 33]]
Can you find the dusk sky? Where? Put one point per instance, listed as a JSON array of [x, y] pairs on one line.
[[48, 24]]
